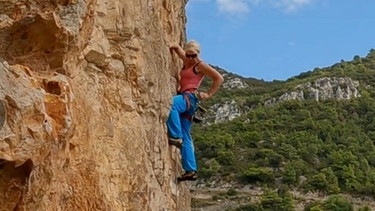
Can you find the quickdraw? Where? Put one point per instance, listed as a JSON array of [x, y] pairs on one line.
[[197, 114]]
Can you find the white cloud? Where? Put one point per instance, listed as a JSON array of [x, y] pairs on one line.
[[241, 7], [255, 2], [235, 7], [291, 5]]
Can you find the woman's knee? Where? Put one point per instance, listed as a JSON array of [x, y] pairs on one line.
[[178, 103]]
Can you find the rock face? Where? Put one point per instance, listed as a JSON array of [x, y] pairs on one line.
[[85, 89], [340, 88], [223, 112], [234, 83]]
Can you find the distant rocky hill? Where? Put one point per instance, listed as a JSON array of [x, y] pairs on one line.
[[340, 88], [306, 143]]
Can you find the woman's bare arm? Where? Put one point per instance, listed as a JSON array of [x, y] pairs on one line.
[[181, 53], [179, 50], [214, 75]]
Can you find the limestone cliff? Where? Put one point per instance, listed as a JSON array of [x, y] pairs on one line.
[[85, 89]]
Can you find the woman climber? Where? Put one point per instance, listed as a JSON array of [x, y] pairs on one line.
[[186, 102]]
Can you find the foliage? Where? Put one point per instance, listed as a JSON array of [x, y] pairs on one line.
[[250, 207], [337, 202], [326, 146]]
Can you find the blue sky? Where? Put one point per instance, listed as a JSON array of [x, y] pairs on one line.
[[278, 39]]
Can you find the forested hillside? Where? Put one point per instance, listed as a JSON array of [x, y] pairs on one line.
[[321, 146]]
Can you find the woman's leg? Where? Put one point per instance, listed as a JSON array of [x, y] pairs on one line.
[[173, 122], [187, 151]]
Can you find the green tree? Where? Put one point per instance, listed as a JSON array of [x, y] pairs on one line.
[[365, 208], [338, 203], [250, 207], [225, 157], [289, 174], [287, 203], [254, 174], [271, 200], [250, 138], [210, 168], [314, 206], [332, 181], [318, 182]]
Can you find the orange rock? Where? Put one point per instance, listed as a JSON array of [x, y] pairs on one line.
[[87, 87]]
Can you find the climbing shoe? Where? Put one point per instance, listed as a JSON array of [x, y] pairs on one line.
[[175, 142], [189, 175]]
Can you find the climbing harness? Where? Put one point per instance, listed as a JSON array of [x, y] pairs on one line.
[[195, 115]]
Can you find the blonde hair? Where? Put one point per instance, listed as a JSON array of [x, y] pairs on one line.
[[193, 45]]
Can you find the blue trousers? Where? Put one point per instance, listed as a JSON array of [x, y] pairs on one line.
[[179, 127]]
